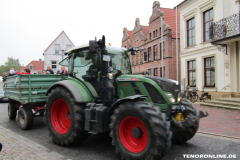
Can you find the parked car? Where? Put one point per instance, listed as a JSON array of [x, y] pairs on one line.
[[2, 98]]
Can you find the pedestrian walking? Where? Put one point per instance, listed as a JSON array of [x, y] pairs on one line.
[[50, 70], [0, 146]]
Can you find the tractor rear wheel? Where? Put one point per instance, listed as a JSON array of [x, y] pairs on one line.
[[140, 131], [65, 118], [12, 110], [181, 136]]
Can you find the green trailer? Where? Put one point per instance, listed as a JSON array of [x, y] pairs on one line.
[[27, 95]]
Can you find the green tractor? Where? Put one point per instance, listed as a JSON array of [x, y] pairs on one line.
[[143, 114]]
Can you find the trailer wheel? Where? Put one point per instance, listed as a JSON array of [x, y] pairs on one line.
[[139, 131], [25, 118], [65, 118], [182, 136], [12, 110]]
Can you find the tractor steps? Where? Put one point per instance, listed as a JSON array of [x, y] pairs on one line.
[[228, 103]]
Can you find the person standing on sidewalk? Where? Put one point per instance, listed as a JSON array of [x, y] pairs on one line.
[[50, 70], [0, 146]]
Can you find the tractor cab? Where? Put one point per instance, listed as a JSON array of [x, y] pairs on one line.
[[86, 66]]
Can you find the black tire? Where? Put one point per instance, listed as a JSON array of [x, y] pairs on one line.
[[181, 136], [194, 98], [158, 131], [12, 110], [25, 118], [205, 99], [74, 133]]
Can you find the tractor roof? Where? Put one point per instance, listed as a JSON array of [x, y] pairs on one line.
[[110, 49]]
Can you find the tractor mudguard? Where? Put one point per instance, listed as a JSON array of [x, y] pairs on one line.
[[78, 90], [116, 104]]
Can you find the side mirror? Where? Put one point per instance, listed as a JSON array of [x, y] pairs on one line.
[[145, 56], [93, 46]]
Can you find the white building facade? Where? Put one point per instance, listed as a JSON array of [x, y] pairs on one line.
[[210, 62], [55, 51]]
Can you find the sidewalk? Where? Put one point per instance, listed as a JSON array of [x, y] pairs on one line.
[[20, 148], [220, 121]]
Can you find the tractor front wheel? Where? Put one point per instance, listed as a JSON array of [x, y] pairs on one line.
[[140, 131], [64, 118], [181, 136]]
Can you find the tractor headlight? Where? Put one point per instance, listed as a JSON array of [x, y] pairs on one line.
[[179, 97], [170, 97], [110, 76]]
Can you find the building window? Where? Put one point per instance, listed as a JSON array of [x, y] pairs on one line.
[[155, 71], [163, 75], [209, 72], [57, 48], [207, 22], [149, 54], [192, 73], [160, 31], [160, 71], [155, 52], [31, 66], [160, 57], [132, 60], [149, 36], [155, 34], [68, 47], [191, 32], [163, 50], [54, 64], [149, 72]]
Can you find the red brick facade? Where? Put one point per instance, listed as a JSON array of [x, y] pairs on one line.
[[150, 36]]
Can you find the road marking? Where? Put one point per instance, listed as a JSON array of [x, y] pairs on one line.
[[220, 135]]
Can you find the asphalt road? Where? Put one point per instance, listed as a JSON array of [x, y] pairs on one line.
[[99, 147]]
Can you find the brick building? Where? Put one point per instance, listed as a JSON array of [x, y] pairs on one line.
[[149, 37]]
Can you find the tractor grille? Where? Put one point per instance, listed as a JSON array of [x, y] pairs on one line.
[[166, 85], [154, 94]]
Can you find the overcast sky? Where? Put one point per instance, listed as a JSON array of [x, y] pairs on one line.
[[28, 27]]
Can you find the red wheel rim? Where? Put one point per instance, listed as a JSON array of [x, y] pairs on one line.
[[61, 116], [131, 143]]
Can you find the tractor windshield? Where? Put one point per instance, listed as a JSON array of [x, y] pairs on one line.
[[85, 65]]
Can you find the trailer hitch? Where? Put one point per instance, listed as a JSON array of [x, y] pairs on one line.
[[188, 121]]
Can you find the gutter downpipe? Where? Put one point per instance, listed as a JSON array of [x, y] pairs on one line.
[[162, 42], [177, 42]]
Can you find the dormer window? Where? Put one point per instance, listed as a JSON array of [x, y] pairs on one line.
[[31, 67]]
